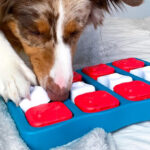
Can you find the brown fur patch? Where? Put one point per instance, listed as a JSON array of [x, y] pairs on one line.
[[76, 18], [43, 26], [41, 58], [71, 27], [11, 38], [71, 31], [78, 11]]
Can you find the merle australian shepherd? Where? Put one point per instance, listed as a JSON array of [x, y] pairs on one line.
[[46, 32]]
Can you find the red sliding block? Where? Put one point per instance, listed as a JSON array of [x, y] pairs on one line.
[[98, 70], [47, 114], [96, 101], [134, 91], [76, 77], [128, 64]]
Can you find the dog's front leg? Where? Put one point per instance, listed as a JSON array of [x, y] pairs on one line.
[[15, 76]]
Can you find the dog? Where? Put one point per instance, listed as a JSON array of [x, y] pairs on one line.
[[46, 33]]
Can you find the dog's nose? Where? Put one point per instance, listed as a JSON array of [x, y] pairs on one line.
[[60, 95], [56, 92]]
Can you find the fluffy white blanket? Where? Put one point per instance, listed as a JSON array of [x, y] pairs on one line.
[[118, 38], [94, 140]]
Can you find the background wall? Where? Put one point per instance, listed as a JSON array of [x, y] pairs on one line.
[[135, 12]]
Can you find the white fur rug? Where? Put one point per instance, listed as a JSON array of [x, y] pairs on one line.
[[9, 137], [118, 38], [94, 140]]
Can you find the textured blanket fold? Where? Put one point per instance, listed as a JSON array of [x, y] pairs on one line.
[[97, 139]]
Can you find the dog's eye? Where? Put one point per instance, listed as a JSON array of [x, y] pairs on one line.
[[74, 33], [35, 33], [70, 36]]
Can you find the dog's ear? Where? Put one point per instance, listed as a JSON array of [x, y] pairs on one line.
[[133, 2], [5, 9], [100, 6], [98, 9]]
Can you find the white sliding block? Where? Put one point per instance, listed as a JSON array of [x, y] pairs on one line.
[[38, 96], [114, 79], [143, 72], [25, 104], [79, 88]]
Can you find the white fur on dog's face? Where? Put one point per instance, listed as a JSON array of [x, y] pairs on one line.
[[15, 76], [61, 71]]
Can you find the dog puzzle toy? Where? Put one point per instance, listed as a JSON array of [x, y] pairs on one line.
[[110, 96]]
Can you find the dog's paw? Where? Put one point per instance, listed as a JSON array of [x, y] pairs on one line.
[[15, 76], [15, 80]]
